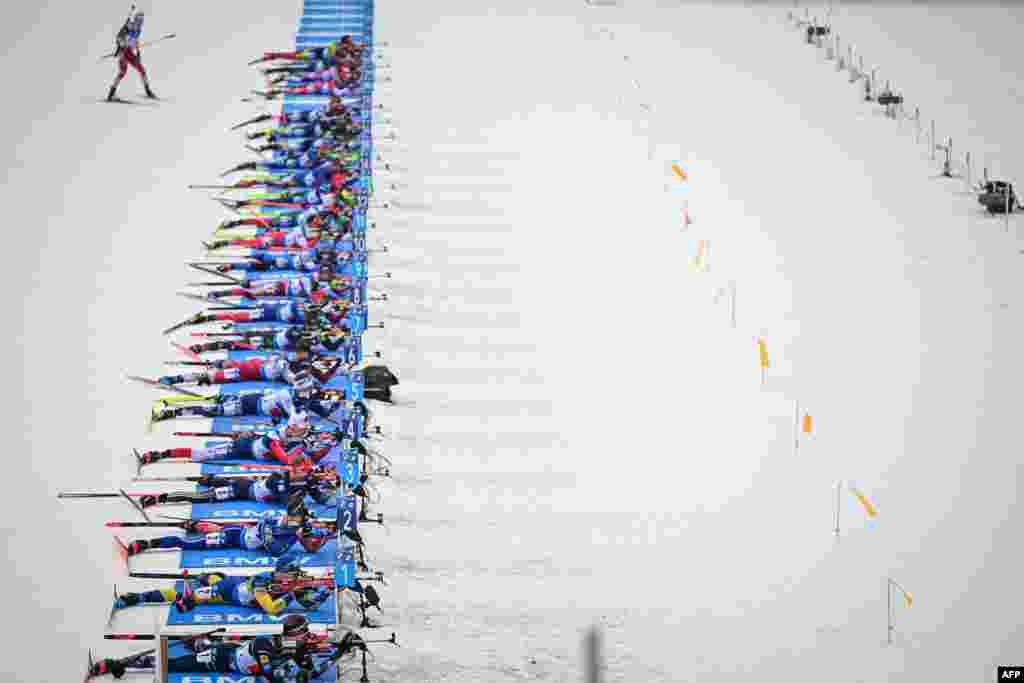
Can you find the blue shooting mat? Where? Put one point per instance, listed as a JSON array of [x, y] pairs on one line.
[[330, 675], [345, 461], [353, 428], [351, 349], [345, 565], [228, 559], [344, 562], [252, 509], [339, 382], [179, 649], [249, 509], [203, 615], [354, 268]]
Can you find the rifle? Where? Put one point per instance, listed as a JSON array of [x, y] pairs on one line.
[[141, 45], [256, 119]]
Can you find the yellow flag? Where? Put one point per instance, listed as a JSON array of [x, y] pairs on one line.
[[906, 596], [762, 350], [679, 172], [698, 260], [868, 507], [808, 423]]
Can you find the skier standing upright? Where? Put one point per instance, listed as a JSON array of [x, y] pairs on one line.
[[128, 53]]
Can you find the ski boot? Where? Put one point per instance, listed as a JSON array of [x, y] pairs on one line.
[[112, 93], [247, 166], [126, 600], [150, 457], [171, 380], [217, 244], [149, 91], [134, 548], [150, 501], [114, 667], [187, 600]]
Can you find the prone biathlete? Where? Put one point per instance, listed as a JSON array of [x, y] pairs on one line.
[[306, 260], [328, 88], [288, 658], [271, 534], [339, 73], [328, 172], [306, 343], [227, 371], [302, 218], [304, 287], [343, 47], [291, 312], [275, 489], [267, 591], [283, 445]]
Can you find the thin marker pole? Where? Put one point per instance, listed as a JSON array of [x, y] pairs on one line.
[[1007, 208], [796, 428], [732, 292], [839, 485], [888, 611]]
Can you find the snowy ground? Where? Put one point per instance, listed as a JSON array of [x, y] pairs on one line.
[[581, 436]]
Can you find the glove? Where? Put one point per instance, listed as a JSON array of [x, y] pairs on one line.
[[311, 598], [117, 668]]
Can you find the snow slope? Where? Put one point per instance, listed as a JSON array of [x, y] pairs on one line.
[[581, 436]]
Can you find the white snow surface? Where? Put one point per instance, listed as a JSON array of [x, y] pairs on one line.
[[581, 437]]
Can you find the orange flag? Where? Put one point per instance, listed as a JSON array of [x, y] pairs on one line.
[[808, 423], [679, 172], [762, 351], [868, 507]]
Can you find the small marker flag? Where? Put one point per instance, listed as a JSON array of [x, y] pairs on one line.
[[868, 507], [679, 172], [698, 260], [762, 351], [808, 425], [906, 596]]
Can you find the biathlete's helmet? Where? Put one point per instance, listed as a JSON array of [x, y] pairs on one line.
[[298, 424], [295, 625], [312, 539], [304, 386]]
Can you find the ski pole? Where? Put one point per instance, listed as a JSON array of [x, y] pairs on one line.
[[64, 494]]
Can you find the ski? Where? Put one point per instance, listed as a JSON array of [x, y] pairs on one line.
[[186, 351], [195, 297], [165, 387], [215, 273], [135, 505]]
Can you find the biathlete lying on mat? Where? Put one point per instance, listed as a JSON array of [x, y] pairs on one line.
[[306, 344], [288, 658], [273, 403], [285, 445], [305, 260], [275, 489], [345, 48], [317, 288], [329, 314], [272, 534], [329, 88], [332, 109], [314, 216], [272, 592], [272, 369]]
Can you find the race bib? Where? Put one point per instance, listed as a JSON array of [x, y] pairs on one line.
[[215, 538]]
